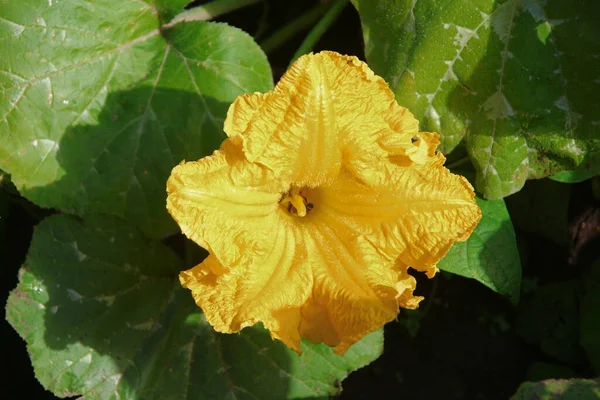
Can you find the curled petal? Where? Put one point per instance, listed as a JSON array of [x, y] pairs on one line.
[[326, 107], [270, 290], [223, 202], [414, 213], [322, 197], [292, 130], [356, 288]]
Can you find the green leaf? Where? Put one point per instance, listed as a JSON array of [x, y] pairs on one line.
[[100, 103], [550, 320], [4, 207], [574, 176], [590, 323], [104, 316], [168, 9], [562, 389], [490, 255], [516, 79]]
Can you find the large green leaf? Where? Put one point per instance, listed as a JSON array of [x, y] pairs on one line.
[[490, 255], [517, 79], [103, 315], [574, 176], [99, 102], [559, 389]]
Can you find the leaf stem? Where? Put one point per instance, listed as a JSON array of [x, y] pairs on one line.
[[209, 11], [458, 162], [320, 28], [277, 39]]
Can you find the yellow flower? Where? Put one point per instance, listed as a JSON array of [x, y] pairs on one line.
[[316, 205]]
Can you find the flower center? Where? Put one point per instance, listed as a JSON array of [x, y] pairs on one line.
[[295, 203]]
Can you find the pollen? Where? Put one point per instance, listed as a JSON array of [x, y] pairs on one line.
[[294, 202]]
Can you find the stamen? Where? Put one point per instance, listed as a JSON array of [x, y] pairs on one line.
[[298, 203], [295, 203]]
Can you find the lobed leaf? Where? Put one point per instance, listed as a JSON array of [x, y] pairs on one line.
[[490, 255], [100, 101], [574, 176], [104, 316], [516, 80], [559, 389]]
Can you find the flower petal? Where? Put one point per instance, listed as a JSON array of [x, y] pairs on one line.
[[325, 105], [271, 289], [356, 289], [223, 203], [414, 213], [294, 133]]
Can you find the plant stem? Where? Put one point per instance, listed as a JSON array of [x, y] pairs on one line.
[[277, 39], [458, 162], [315, 34], [209, 11]]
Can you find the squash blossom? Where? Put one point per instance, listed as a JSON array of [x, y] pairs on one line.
[[314, 208]]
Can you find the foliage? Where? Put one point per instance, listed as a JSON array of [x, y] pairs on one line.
[[514, 79], [101, 99]]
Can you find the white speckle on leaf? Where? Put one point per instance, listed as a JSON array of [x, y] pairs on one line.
[[145, 326], [65, 101], [497, 106], [15, 28], [411, 73], [446, 26], [41, 306], [35, 143], [573, 149], [449, 75], [80, 256], [54, 309], [69, 363], [573, 118], [435, 117], [73, 295], [562, 103], [535, 9], [463, 35], [502, 19], [87, 358]]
